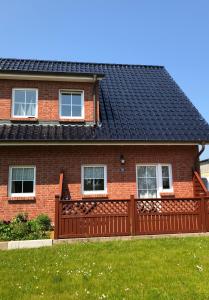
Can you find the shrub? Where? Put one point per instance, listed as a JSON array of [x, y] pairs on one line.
[[22, 229], [21, 217], [5, 231], [44, 222]]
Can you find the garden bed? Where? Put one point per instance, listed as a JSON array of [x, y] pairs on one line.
[[21, 228]]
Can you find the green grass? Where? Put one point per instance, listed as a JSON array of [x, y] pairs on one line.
[[139, 269]]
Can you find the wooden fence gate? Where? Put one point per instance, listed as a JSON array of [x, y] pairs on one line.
[[91, 218]]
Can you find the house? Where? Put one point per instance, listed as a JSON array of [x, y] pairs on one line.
[[113, 130], [204, 169]]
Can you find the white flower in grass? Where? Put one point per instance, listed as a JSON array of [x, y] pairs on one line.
[[87, 292], [103, 296], [127, 289], [199, 268]]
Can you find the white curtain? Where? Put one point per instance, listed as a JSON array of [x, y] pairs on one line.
[[17, 174], [28, 174], [88, 173]]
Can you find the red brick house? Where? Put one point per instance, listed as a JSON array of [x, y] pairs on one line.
[[114, 130]]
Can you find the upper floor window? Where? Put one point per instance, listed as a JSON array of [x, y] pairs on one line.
[[72, 104], [25, 103]]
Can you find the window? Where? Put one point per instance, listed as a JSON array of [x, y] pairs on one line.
[[71, 104], [153, 179], [25, 103], [22, 181], [166, 184], [147, 182], [94, 179]]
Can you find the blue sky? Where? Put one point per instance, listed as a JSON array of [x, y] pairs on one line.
[[160, 32]]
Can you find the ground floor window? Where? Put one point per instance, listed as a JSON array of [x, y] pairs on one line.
[[153, 179], [22, 181], [94, 179]]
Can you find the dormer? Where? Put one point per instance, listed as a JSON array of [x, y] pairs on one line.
[[54, 97]]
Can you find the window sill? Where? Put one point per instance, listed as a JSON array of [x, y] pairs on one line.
[[72, 120], [95, 196], [11, 199], [24, 119], [167, 194]]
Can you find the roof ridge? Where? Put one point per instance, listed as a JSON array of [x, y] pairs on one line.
[[80, 62]]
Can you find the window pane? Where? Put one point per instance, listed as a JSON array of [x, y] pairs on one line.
[[88, 184], [28, 187], [66, 111], [151, 183], [76, 99], [19, 109], [30, 96], [142, 183], [19, 96], [17, 173], [98, 172], [28, 174], [147, 182], [17, 187], [165, 171], [30, 110], [99, 184], [141, 171], [151, 171], [88, 172], [66, 98], [166, 184], [76, 111]]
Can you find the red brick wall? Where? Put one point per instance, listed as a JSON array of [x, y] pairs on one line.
[[50, 160], [48, 97]]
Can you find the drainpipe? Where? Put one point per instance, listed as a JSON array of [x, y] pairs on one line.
[[196, 164], [95, 100]]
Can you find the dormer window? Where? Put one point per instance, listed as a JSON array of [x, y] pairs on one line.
[[71, 104], [25, 103]]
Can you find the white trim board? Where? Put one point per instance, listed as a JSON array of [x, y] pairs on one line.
[[91, 143], [71, 78]]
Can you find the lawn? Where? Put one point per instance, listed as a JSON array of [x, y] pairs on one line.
[[139, 269]]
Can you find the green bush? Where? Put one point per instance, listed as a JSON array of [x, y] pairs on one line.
[[44, 222], [20, 228]]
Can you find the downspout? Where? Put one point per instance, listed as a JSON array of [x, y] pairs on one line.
[[196, 164], [94, 100]]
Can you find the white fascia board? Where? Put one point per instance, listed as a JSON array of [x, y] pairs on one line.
[[90, 143], [49, 77]]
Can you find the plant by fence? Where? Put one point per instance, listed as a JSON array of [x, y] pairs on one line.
[[20, 228]]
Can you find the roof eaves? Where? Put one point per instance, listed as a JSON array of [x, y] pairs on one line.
[[52, 73]]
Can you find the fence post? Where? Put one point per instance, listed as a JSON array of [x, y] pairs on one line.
[[203, 214], [56, 222], [132, 215]]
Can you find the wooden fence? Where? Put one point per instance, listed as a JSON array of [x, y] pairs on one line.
[[90, 218]]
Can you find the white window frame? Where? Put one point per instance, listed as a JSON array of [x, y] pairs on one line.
[[105, 180], [82, 102], [13, 102], [160, 188], [10, 182]]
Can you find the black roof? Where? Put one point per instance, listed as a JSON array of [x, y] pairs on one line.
[[204, 161], [137, 103]]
